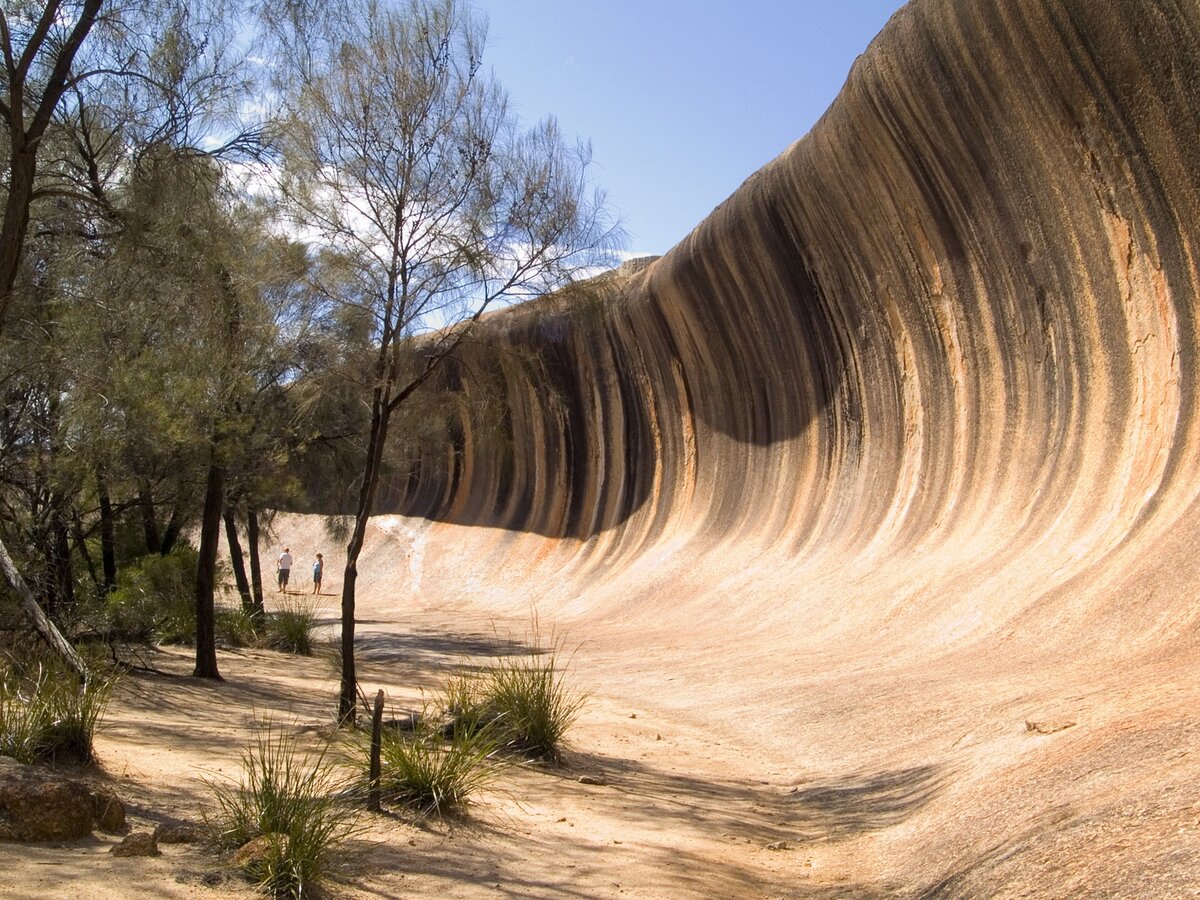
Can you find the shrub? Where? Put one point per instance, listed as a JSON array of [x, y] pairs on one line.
[[434, 777], [291, 799], [155, 599], [49, 716], [291, 628]]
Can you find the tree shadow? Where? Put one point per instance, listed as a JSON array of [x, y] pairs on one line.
[[659, 809], [848, 806], [428, 650]]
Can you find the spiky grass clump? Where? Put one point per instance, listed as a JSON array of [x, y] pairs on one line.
[[49, 716], [237, 626], [530, 703], [434, 776], [292, 800], [292, 627]]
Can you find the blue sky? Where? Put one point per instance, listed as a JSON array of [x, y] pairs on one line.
[[682, 101]]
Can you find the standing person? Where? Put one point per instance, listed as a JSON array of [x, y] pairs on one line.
[[285, 568], [318, 568]]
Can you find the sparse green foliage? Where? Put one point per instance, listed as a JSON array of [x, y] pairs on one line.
[[436, 777], [291, 798], [154, 599], [48, 716]]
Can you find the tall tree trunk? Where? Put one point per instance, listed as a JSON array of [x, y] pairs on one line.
[[256, 587], [24, 139], [21, 171], [206, 572], [108, 536], [42, 625], [348, 692], [237, 560], [173, 531], [149, 519]]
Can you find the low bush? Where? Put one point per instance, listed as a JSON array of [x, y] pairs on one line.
[[433, 776], [49, 716], [292, 800], [155, 599]]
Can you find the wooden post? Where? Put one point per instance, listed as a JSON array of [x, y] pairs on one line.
[[376, 741]]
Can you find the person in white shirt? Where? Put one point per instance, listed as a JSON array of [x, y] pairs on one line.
[[285, 568]]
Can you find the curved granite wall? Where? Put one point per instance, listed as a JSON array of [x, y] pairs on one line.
[[952, 331]]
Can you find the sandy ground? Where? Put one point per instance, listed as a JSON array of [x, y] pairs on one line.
[[681, 813], [929, 780]]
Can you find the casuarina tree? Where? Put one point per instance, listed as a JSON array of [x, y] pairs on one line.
[[402, 157]]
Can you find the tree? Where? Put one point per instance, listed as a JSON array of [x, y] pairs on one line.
[[39, 49], [400, 152], [89, 92]]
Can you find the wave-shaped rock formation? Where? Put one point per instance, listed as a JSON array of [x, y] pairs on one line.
[[915, 410]]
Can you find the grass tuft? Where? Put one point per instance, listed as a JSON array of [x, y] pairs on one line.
[[236, 626], [530, 703], [290, 799], [50, 717], [433, 776], [292, 627]]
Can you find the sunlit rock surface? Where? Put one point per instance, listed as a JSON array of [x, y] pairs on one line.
[[902, 440], [951, 331]]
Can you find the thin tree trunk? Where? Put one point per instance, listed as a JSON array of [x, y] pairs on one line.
[[108, 536], [174, 529], [64, 576], [42, 625], [256, 587], [206, 571], [81, 543], [348, 692], [238, 561], [149, 519]]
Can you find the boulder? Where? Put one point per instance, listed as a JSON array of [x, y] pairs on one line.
[[255, 852], [40, 805], [179, 833], [109, 810], [140, 843]]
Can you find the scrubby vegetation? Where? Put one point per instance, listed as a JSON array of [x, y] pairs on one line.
[[155, 600], [293, 804], [518, 705], [292, 627]]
